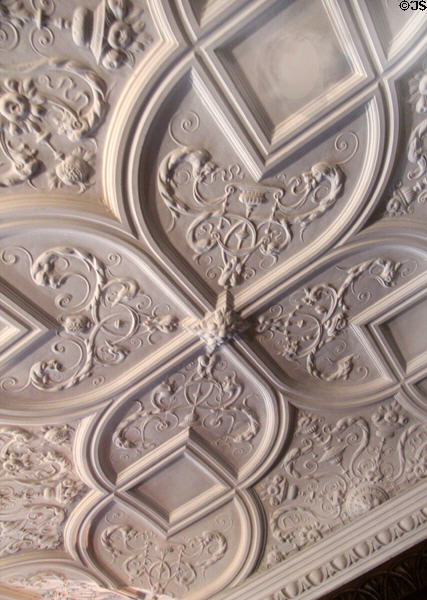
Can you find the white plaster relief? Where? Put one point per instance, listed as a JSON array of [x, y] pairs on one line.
[[198, 294], [102, 324], [56, 91], [234, 224], [38, 487], [189, 565], [97, 312], [412, 191], [338, 469]]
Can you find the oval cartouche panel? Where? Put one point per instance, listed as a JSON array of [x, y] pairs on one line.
[[212, 206], [340, 337], [221, 228], [215, 407], [192, 563], [82, 315]]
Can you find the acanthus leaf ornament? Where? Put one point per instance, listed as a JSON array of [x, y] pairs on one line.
[[102, 326], [319, 316], [220, 326]]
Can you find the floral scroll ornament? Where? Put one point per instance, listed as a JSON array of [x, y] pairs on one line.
[[37, 487], [338, 470], [405, 196], [247, 219], [101, 328], [112, 32], [52, 585], [51, 107], [319, 316], [13, 16], [160, 566], [205, 398]]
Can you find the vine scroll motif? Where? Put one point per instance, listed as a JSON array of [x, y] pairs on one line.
[[206, 398], [160, 566], [52, 107], [37, 487], [52, 585], [104, 325], [246, 218], [405, 196], [320, 314], [337, 470]]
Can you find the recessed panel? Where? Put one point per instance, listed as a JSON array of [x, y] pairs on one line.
[[179, 487], [405, 335], [287, 60]]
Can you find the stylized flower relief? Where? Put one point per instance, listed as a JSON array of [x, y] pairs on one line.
[[389, 419], [14, 11], [75, 169], [211, 400], [120, 35], [67, 490], [79, 323], [21, 106], [47, 372], [418, 467], [58, 434], [118, 25], [275, 556], [14, 463], [314, 427], [363, 498]]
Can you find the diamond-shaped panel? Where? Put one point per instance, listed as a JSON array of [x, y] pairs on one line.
[[17, 329], [179, 487], [410, 349], [288, 64]]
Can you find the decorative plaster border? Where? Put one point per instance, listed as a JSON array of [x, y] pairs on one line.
[[382, 534]]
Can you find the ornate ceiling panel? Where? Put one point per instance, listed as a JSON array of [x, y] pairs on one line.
[[213, 264]]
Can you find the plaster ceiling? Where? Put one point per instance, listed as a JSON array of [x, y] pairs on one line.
[[213, 273]]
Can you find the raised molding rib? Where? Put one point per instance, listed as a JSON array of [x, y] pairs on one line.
[[213, 267]]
